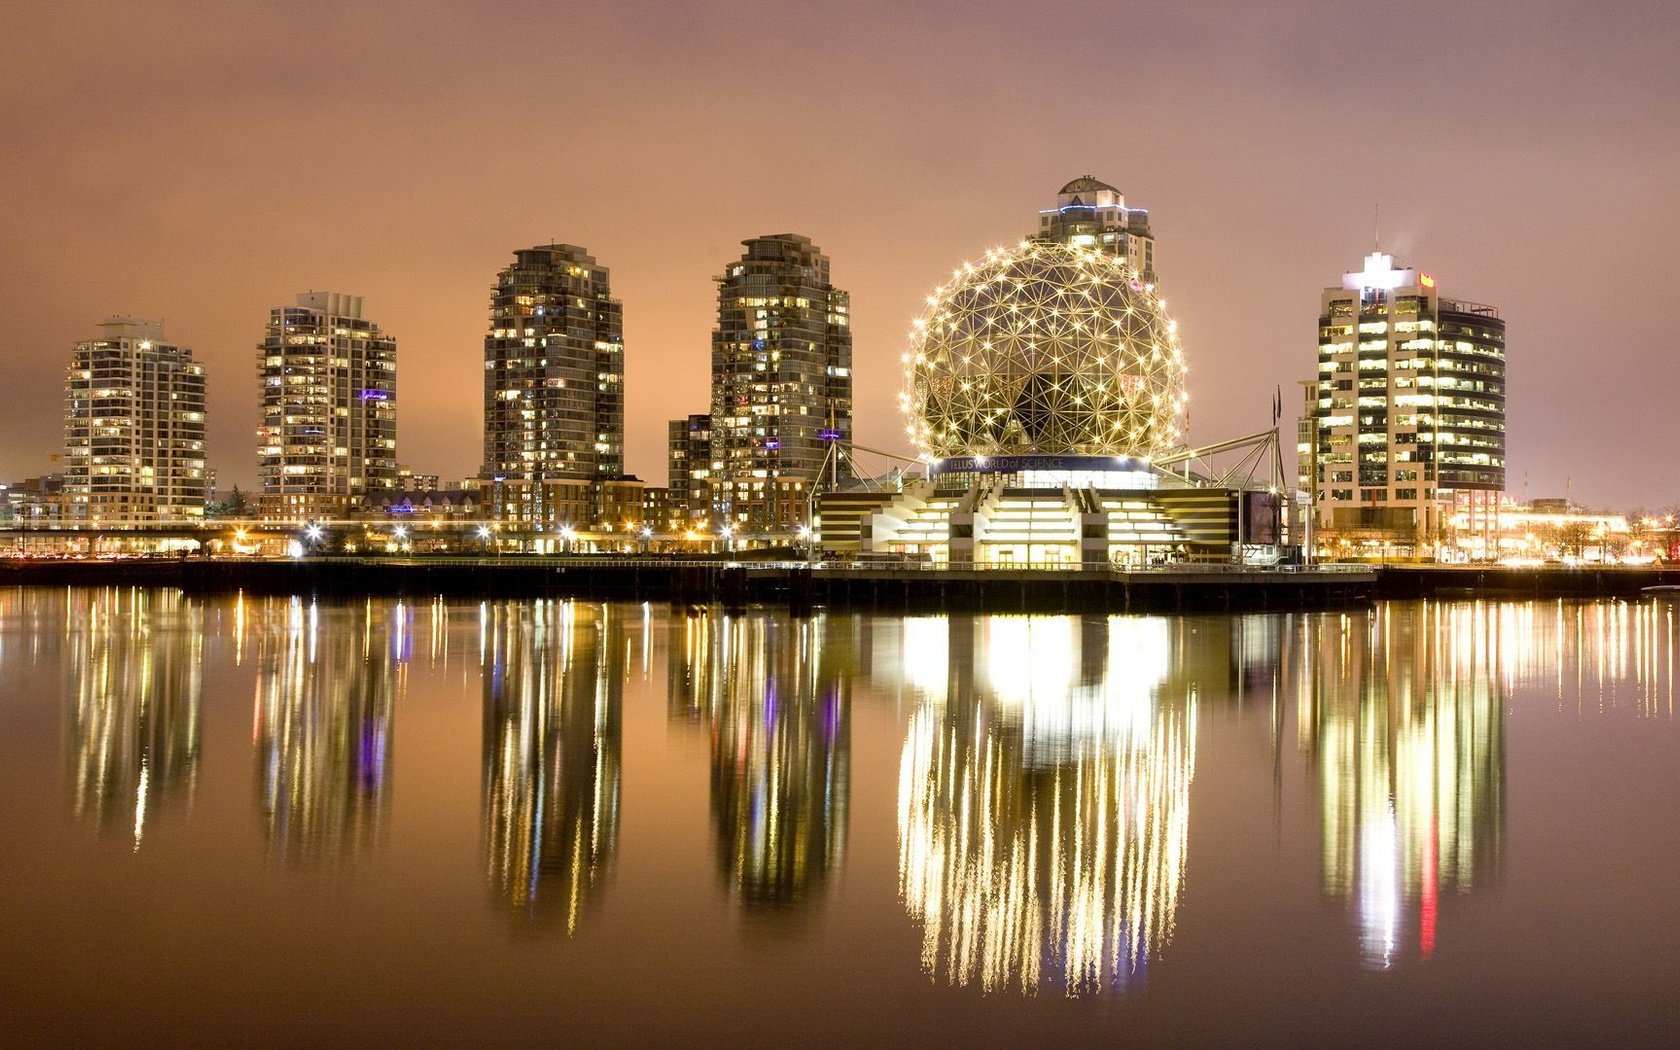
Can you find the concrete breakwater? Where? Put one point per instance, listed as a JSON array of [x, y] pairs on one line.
[[731, 584], [1499, 581], [794, 584]]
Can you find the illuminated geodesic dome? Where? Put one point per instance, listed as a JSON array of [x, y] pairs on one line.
[[1045, 349]]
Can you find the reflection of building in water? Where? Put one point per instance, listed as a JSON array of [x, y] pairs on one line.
[[1044, 798], [1596, 657], [324, 708], [775, 694], [134, 659], [553, 691], [1402, 712], [690, 664]]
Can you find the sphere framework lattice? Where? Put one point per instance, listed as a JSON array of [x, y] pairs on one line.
[[1045, 349]]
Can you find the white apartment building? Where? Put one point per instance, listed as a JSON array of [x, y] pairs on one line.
[[133, 429]]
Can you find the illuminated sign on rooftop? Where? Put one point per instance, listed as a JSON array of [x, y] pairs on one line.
[[1380, 273]]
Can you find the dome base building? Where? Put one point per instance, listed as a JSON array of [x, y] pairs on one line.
[[1053, 512]]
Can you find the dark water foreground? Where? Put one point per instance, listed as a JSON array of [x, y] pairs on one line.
[[283, 822]]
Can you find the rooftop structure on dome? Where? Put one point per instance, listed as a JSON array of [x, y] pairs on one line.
[[1095, 189], [1092, 214]]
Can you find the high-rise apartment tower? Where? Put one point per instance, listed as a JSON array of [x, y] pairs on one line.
[[328, 439], [781, 384], [553, 387], [133, 428]]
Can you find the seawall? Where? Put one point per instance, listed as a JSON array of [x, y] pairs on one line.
[[732, 584]]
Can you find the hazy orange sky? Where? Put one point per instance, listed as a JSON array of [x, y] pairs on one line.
[[203, 162]]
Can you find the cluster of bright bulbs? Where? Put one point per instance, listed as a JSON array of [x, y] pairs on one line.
[[1045, 349]]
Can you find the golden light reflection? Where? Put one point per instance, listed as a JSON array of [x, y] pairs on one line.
[[553, 697], [1402, 713], [1044, 802], [1606, 657], [775, 698], [325, 705], [134, 659]]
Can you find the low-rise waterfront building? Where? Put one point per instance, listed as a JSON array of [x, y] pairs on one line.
[[33, 502]]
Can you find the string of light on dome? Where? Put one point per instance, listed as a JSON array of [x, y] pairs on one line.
[[1044, 348]]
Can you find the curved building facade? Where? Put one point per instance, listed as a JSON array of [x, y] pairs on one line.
[[781, 383], [1045, 349], [1406, 417], [553, 388]]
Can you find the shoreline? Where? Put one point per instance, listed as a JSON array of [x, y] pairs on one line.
[[738, 584], [731, 584]]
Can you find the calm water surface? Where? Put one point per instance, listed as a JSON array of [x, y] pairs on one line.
[[278, 822]]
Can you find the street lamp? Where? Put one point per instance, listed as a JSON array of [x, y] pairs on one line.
[[805, 534], [726, 532], [566, 535]]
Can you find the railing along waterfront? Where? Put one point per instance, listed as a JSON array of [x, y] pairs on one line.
[[585, 561], [829, 565]]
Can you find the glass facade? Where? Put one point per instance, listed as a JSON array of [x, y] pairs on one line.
[[1410, 405]]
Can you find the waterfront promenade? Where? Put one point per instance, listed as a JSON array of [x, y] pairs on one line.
[[681, 581], [797, 584]]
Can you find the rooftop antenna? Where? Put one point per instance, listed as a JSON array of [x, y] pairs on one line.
[[1376, 227]]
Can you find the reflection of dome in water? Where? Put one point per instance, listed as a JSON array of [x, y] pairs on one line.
[[1045, 349], [1065, 876], [1042, 836]]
